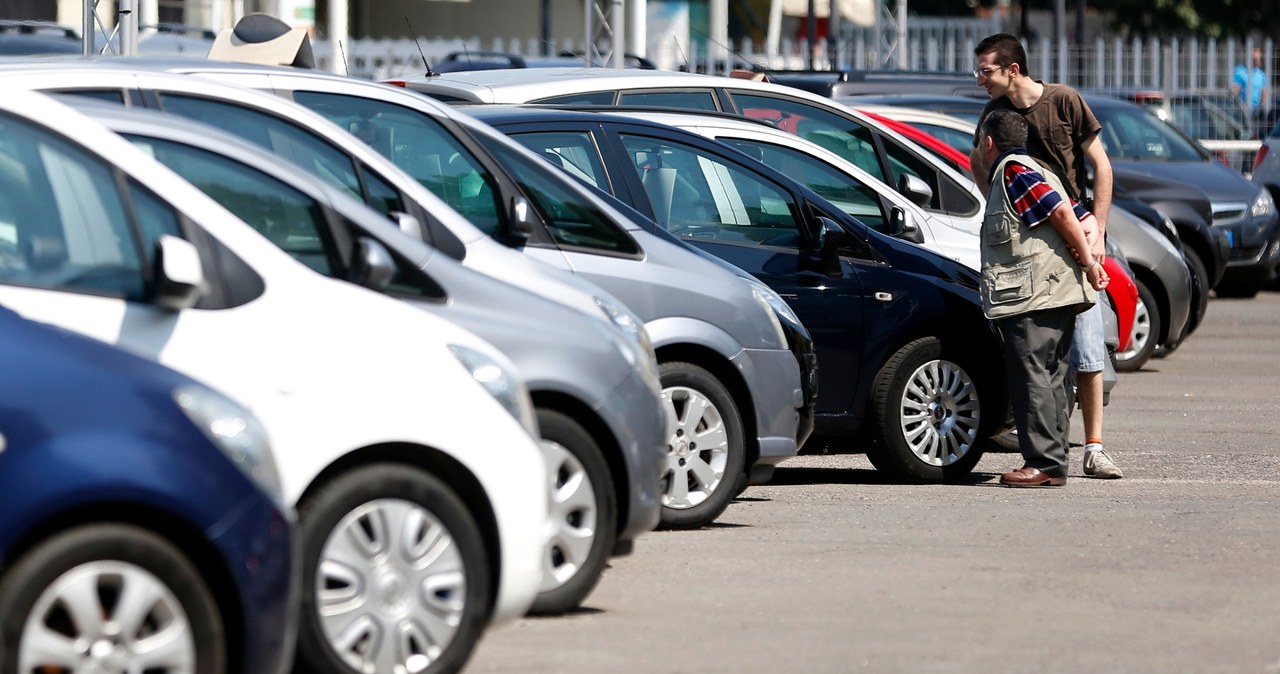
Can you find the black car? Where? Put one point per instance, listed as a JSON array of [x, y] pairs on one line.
[[1155, 162], [912, 372]]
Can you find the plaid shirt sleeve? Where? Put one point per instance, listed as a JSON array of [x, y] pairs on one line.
[[1031, 196]]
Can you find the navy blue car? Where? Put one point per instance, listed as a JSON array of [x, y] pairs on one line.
[[912, 372], [141, 527]]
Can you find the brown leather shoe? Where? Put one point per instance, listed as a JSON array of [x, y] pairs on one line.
[[1027, 476]]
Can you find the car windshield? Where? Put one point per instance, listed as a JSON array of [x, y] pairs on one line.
[[1137, 134]]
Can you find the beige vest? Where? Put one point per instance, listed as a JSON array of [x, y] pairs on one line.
[[1024, 268]]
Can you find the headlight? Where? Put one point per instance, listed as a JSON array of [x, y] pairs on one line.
[[773, 306], [639, 350], [1263, 205], [501, 383], [236, 432]]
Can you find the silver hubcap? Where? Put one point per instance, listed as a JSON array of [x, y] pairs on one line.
[[573, 515], [940, 413], [107, 616], [391, 588], [1141, 332], [698, 450]]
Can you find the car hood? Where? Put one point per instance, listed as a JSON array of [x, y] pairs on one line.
[[1215, 180]]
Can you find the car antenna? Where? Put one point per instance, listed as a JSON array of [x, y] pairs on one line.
[[346, 67], [731, 50], [682, 54], [425, 62]]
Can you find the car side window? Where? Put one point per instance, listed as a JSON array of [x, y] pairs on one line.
[[421, 147], [277, 135], [697, 195], [684, 100], [572, 220], [290, 219], [573, 151], [64, 223], [903, 162], [587, 98], [834, 185], [844, 136]]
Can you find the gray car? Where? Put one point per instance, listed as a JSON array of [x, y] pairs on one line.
[[597, 396], [737, 368]]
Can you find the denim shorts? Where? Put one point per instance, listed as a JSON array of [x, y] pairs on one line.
[[1088, 351]]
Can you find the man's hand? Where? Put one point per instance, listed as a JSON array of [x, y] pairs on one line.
[[1097, 275]]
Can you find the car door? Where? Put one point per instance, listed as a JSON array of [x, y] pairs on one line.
[[78, 242], [866, 147], [718, 202]]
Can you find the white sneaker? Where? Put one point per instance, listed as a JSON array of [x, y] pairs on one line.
[[1098, 463]]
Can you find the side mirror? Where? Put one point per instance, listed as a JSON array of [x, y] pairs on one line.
[[902, 225], [830, 235], [179, 276], [521, 219], [915, 189], [409, 225], [372, 265]]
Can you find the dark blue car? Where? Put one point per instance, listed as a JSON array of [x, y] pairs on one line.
[[911, 371], [141, 527]]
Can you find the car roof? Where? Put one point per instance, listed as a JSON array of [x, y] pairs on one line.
[[914, 115], [520, 86]]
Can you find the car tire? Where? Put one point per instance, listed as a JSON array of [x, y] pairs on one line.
[[95, 565], [943, 440], [1147, 324], [700, 481], [584, 509], [1196, 266], [344, 529]]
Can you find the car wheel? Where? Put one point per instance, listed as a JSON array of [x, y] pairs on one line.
[[1146, 330], [928, 415], [584, 512], [706, 455], [394, 575], [109, 597]]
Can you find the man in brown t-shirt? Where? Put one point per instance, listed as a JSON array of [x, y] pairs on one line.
[[1064, 133]]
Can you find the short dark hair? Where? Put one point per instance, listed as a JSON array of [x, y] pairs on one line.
[[1007, 48], [1007, 129]]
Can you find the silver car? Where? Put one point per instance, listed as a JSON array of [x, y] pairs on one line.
[[737, 368]]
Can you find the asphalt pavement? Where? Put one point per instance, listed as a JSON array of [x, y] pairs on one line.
[[1175, 568]]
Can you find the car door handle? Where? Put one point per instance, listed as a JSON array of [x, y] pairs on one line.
[[884, 297]]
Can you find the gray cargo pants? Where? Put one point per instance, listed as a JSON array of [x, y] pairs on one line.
[[1037, 349]]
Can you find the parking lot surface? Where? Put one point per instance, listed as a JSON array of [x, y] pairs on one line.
[[832, 569]]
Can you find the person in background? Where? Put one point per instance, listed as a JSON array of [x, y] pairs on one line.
[[1063, 134], [1038, 274], [1250, 85]]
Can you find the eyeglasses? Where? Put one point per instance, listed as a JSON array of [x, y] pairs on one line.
[[986, 72]]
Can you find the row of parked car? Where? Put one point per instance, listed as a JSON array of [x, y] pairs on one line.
[[440, 362]]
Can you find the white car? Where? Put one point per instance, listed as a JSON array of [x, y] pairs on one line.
[[405, 443]]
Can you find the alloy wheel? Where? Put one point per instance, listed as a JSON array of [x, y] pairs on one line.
[[940, 413], [698, 450]]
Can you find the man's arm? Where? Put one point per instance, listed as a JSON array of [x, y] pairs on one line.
[[1064, 221], [978, 168], [1102, 184]]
